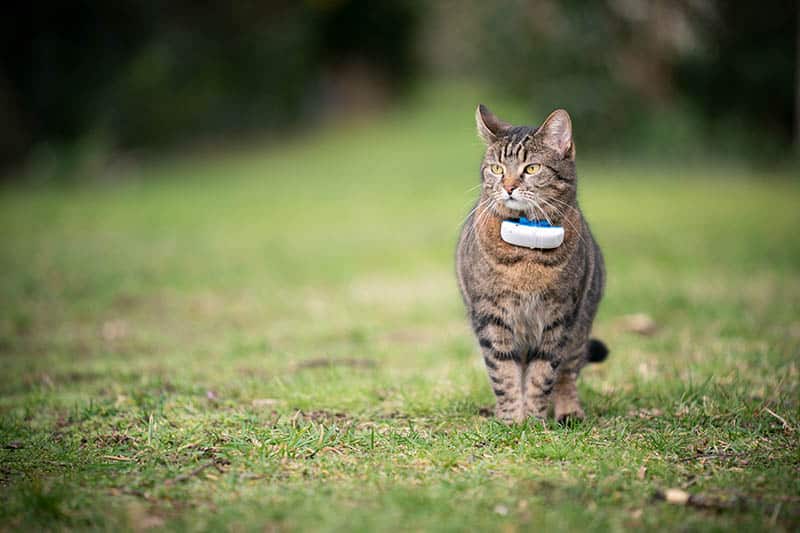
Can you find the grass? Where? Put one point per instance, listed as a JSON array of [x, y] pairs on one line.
[[271, 338]]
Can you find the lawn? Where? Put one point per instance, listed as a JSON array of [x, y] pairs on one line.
[[270, 337]]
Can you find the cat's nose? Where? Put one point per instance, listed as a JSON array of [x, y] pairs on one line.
[[509, 187]]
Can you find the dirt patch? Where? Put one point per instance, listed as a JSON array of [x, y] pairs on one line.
[[112, 439], [65, 378], [216, 463], [322, 416]]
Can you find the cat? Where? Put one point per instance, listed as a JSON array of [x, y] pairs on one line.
[[531, 309]]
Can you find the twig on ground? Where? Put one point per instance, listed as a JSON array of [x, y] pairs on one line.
[[199, 470], [775, 512], [117, 458], [138, 493], [783, 421], [722, 455]]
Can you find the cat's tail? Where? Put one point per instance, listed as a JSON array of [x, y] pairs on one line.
[[597, 351]]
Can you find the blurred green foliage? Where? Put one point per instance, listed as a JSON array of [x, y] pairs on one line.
[[651, 78], [149, 74], [703, 77]]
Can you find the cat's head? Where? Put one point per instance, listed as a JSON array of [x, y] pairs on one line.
[[528, 171]]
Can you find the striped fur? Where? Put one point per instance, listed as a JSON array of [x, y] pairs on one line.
[[531, 310]]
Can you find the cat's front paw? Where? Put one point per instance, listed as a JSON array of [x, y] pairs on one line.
[[571, 416], [509, 416]]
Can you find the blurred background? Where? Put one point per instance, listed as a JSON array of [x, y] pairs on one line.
[[87, 86]]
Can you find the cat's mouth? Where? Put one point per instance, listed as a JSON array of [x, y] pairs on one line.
[[515, 205]]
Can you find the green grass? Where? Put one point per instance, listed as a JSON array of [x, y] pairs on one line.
[[160, 336]]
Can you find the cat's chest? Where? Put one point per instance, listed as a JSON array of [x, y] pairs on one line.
[[522, 269], [529, 314]]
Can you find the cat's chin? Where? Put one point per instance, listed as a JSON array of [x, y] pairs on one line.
[[513, 208]]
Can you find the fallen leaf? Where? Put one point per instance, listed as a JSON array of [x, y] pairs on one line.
[[502, 510], [646, 414], [330, 449], [674, 496], [642, 472], [638, 323]]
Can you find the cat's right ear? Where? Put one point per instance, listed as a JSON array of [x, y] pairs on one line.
[[489, 126]]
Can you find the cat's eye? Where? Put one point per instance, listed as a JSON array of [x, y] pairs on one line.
[[497, 169], [532, 168]]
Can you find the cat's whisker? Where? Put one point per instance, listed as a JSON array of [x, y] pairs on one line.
[[562, 202], [486, 210], [478, 220], [544, 213], [531, 199], [560, 214], [563, 217], [474, 207], [535, 202], [541, 210], [480, 211], [480, 202]]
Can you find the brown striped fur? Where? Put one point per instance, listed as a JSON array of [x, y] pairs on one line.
[[531, 310]]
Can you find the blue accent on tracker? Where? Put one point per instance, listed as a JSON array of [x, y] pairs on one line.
[[534, 223]]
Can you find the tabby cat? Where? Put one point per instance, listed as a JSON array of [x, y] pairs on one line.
[[531, 309]]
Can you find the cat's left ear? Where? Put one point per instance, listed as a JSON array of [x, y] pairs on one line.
[[556, 133], [489, 126]]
